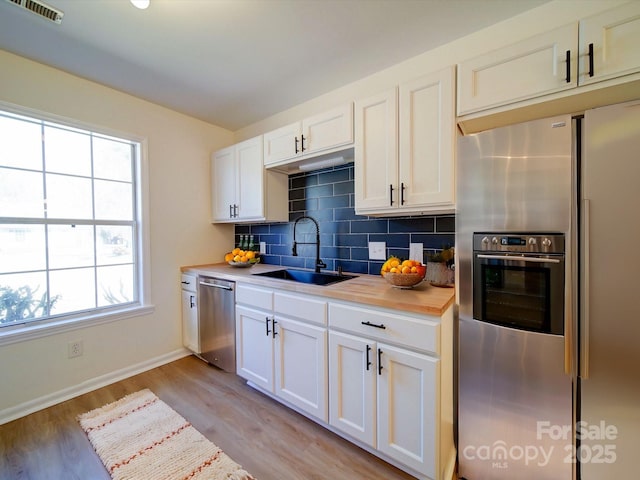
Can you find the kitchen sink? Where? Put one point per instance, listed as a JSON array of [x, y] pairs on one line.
[[306, 276]]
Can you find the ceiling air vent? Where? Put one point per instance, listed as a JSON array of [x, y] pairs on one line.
[[40, 8]]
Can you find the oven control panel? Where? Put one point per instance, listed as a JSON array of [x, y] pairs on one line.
[[519, 242]]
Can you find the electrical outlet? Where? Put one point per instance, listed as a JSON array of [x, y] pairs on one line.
[[377, 250], [74, 349], [416, 252]]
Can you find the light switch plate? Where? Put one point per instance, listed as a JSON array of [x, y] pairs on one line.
[[263, 247], [377, 250], [416, 252]]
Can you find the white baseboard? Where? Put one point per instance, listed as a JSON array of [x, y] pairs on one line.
[[13, 413]]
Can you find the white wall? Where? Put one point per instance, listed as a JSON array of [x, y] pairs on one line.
[[544, 18], [37, 372]]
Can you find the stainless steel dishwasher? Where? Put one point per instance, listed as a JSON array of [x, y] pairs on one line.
[[216, 318]]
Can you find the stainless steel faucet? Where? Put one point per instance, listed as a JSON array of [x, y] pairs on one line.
[[294, 251]]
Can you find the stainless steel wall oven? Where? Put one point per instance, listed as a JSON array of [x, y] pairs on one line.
[[518, 281]]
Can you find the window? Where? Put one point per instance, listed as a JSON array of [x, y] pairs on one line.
[[69, 222]]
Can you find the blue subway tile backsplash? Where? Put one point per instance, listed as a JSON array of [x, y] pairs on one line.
[[327, 196]]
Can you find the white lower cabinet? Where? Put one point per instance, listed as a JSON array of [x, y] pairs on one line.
[[407, 407], [190, 337], [385, 397], [301, 365], [386, 389], [254, 347], [352, 386], [280, 354], [380, 378]]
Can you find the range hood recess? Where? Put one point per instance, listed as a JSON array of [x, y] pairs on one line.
[[313, 163]]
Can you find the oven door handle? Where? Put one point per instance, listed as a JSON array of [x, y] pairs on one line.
[[519, 258]]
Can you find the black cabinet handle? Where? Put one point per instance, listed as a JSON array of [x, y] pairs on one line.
[[192, 302], [402, 193], [266, 322], [235, 210], [368, 362], [230, 211], [390, 194], [296, 144], [568, 58], [591, 59], [185, 283], [273, 330], [379, 362], [302, 144], [369, 324]]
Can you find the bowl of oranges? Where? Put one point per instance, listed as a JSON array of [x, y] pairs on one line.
[[403, 273], [241, 258]]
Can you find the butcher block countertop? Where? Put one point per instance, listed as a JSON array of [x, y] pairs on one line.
[[365, 289]]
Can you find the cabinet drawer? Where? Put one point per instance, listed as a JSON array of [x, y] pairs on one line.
[[302, 307], [189, 282], [422, 334], [255, 296]]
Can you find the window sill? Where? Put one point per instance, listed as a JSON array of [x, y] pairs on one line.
[[22, 333]]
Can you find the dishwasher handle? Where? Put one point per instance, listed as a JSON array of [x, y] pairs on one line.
[[215, 285]]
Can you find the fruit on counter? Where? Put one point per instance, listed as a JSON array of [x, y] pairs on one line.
[[395, 265], [240, 256]]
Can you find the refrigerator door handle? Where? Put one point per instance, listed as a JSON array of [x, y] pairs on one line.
[[584, 307]]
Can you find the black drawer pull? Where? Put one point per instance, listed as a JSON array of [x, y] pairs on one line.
[[391, 195], [368, 363], [568, 66], [591, 59], [266, 319], [369, 324], [379, 362]]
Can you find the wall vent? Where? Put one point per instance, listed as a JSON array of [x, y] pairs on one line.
[[41, 9]]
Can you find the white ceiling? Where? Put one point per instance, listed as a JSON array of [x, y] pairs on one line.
[[234, 62]]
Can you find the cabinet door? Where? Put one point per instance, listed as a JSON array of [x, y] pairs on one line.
[[352, 386], [408, 388], [301, 366], [224, 184], [427, 136], [254, 346], [190, 321], [527, 69], [328, 130], [614, 36], [251, 194], [281, 144], [376, 151]]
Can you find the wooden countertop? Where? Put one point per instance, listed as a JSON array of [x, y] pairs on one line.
[[365, 289]]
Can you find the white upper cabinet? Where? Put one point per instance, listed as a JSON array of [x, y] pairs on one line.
[[282, 144], [241, 189], [609, 43], [427, 137], [376, 151], [404, 148], [537, 66], [598, 48], [322, 133], [224, 184]]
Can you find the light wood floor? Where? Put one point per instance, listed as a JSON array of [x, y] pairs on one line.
[[267, 439]]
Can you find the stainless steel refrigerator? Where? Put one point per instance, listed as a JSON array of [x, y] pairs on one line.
[[547, 387]]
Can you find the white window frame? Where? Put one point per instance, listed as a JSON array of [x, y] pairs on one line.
[[51, 326]]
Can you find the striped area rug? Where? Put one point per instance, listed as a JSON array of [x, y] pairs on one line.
[[139, 437]]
